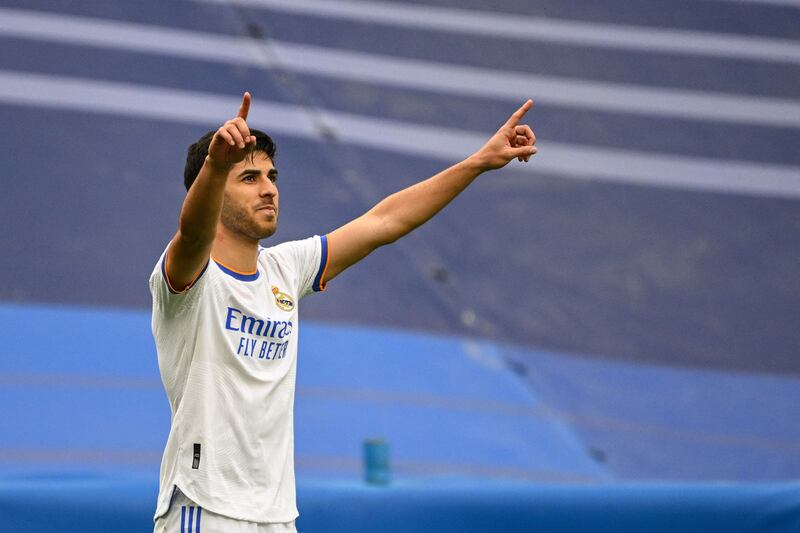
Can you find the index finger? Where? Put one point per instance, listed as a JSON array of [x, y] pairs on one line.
[[514, 119], [245, 107]]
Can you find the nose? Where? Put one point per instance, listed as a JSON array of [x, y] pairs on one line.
[[268, 188]]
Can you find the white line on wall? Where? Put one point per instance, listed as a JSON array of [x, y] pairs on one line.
[[566, 160], [406, 73], [533, 28]]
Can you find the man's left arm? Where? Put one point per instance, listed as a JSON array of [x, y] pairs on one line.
[[402, 212]]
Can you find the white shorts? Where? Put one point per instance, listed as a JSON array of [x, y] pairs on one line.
[[185, 516]]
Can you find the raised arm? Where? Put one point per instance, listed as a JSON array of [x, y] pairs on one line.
[[190, 248], [402, 212]]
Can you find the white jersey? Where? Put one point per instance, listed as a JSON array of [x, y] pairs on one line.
[[227, 352]]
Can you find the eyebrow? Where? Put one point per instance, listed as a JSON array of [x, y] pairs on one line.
[[273, 172]]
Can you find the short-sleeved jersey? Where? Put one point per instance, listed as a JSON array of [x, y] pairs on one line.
[[227, 353]]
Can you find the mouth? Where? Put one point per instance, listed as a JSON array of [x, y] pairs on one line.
[[267, 208]]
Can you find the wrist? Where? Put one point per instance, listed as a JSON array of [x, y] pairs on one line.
[[476, 163], [218, 167]]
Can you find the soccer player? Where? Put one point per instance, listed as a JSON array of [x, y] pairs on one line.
[[225, 320]]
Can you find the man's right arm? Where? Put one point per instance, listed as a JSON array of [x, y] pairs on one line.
[[190, 248]]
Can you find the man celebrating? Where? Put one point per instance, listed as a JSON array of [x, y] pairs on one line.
[[225, 320]]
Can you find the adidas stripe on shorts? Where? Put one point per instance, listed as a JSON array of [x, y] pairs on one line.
[[185, 516]]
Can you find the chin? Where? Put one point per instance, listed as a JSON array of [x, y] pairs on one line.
[[268, 232]]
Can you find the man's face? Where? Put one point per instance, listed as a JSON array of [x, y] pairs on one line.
[[250, 203]]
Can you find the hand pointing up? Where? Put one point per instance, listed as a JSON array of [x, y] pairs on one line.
[[232, 141], [511, 140]]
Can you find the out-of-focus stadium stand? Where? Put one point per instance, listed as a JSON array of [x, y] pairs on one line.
[[620, 312]]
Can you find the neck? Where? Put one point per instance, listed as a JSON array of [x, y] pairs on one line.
[[236, 252]]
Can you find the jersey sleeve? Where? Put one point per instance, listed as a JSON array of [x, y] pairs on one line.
[[166, 299], [309, 259]]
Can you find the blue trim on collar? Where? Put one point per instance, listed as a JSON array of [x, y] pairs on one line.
[[233, 274]]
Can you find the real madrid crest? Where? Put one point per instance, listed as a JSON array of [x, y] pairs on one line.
[[282, 300]]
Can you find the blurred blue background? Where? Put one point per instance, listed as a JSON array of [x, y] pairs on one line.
[[615, 325]]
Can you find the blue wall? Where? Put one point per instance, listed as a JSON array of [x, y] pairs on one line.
[[475, 442], [448, 407], [106, 505]]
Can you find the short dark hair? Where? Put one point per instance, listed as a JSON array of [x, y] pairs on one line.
[[196, 155]]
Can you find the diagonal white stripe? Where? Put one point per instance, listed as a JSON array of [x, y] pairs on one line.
[[554, 158], [423, 75], [526, 27]]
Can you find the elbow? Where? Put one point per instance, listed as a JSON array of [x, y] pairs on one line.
[[388, 225], [393, 230]]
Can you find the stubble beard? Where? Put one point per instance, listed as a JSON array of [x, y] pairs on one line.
[[236, 218]]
